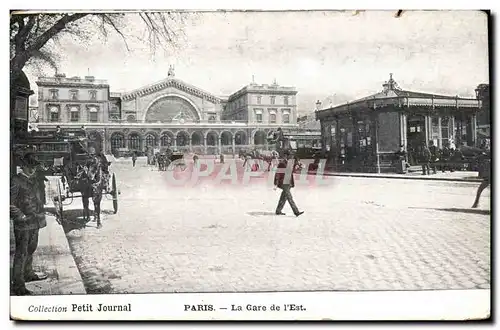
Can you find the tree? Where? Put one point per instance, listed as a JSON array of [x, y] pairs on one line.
[[34, 37]]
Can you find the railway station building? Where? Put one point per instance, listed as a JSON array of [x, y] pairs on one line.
[[170, 112]]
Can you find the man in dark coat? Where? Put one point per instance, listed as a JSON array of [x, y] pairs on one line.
[[426, 158], [27, 214], [434, 155], [284, 181]]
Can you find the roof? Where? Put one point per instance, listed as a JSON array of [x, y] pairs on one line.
[[169, 82], [392, 94]]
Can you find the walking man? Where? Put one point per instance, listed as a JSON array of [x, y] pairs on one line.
[[284, 181], [485, 173], [434, 156], [426, 158], [27, 214], [134, 158]]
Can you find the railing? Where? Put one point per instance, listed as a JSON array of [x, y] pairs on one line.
[[73, 80]]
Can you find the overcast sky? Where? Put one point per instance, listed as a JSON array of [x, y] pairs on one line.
[[322, 54]]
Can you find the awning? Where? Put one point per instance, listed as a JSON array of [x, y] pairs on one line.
[[54, 110], [93, 109]]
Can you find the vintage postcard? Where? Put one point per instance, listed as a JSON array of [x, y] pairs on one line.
[[250, 165]]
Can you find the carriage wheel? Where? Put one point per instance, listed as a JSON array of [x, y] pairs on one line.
[[59, 204], [115, 194]]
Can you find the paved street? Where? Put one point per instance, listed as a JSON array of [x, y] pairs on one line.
[[356, 234]]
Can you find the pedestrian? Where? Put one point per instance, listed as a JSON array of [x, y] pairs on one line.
[[58, 134], [426, 158], [27, 214], [434, 151], [284, 181], [485, 173], [222, 158], [134, 158]]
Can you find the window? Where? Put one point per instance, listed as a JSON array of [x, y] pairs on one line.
[[93, 115], [272, 118], [286, 116], [446, 131], [93, 95], [75, 114], [117, 141], [258, 115], [134, 142], [74, 95], [166, 140], [285, 100], [259, 99], [54, 114], [273, 99], [150, 140], [54, 94]]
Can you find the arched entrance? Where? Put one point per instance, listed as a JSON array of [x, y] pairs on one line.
[[95, 141], [240, 141], [226, 141], [197, 143], [117, 142], [150, 140], [182, 140], [259, 139], [212, 143], [134, 142], [167, 139]]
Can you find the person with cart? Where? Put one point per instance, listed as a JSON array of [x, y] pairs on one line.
[[285, 182], [28, 216]]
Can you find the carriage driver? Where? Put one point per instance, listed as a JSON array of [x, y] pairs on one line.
[[28, 216]]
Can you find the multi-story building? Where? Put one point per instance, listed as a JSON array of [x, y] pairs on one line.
[[72, 100], [170, 112]]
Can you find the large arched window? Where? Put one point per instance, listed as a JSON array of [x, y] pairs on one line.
[[134, 141], [150, 140], [117, 141]]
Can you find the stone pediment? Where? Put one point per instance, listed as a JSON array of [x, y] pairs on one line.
[[170, 82]]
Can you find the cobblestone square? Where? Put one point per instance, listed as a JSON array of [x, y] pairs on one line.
[[356, 234]]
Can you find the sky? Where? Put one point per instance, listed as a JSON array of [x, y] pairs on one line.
[[331, 56]]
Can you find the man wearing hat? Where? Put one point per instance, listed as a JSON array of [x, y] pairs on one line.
[[285, 182], [27, 214]]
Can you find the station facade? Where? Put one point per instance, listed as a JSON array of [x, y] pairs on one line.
[[170, 112]]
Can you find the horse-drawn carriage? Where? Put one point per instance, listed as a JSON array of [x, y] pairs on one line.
[[78, 173], [166, 158]]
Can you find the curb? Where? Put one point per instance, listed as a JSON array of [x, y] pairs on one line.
[[398, 177], [54, 256]]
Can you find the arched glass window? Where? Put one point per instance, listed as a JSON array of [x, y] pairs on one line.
[[117, 141], [150, 140], [166, 140], [134, 142]]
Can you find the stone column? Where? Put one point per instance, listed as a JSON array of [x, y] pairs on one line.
[[205, 144], [234, 143], [219, 144]]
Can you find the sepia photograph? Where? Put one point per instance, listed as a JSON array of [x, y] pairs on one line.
[[250, 165]]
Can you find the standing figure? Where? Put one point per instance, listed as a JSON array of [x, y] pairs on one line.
[[285, 182], [434, 151], [39, 180], [27, 213], [134, 158], [221, 158], [426, 158], [484, 173]]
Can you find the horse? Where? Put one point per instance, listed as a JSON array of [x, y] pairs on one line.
[[268, 156], [163, 162], [90, 181]]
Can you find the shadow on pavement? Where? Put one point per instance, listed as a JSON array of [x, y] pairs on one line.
[[260, 213], [471, 211]]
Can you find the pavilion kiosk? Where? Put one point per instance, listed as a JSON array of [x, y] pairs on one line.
[[366, 135]]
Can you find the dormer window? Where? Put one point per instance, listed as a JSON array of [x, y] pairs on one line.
[[74, 95], [285, 100], [259, 99], [273, 99]]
